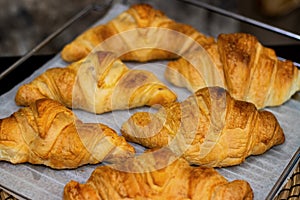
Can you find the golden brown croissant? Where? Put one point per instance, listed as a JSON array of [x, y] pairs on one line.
[[175, 180], [99, 83], [50, 134], [136, 37], [209, 128], [248, 70]]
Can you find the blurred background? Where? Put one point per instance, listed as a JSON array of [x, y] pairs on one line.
[[25, 23]]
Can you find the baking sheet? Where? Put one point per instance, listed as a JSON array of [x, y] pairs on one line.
[[40, 182]]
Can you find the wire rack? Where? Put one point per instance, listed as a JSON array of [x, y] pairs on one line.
[[287, 186]]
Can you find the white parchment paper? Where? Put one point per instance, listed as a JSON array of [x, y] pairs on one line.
[[40, 182]]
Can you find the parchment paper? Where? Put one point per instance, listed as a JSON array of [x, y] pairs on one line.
[[40, 182]]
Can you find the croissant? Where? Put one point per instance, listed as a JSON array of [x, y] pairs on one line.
[[239, 63], [48, 133], [140, 33], [98, 83], [209, 128], [175, 180]]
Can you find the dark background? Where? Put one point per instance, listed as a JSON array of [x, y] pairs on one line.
[[24, 23]]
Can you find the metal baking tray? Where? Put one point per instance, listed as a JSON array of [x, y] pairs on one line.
[[266, 173]]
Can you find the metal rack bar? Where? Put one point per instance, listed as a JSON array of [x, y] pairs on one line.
[[243, 19], [99, 8], [295, 159]]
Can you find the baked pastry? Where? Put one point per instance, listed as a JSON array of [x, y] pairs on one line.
[[98, 83], [209, 128], [48, 133], [176, 180], [140, 33], [239, 63]]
